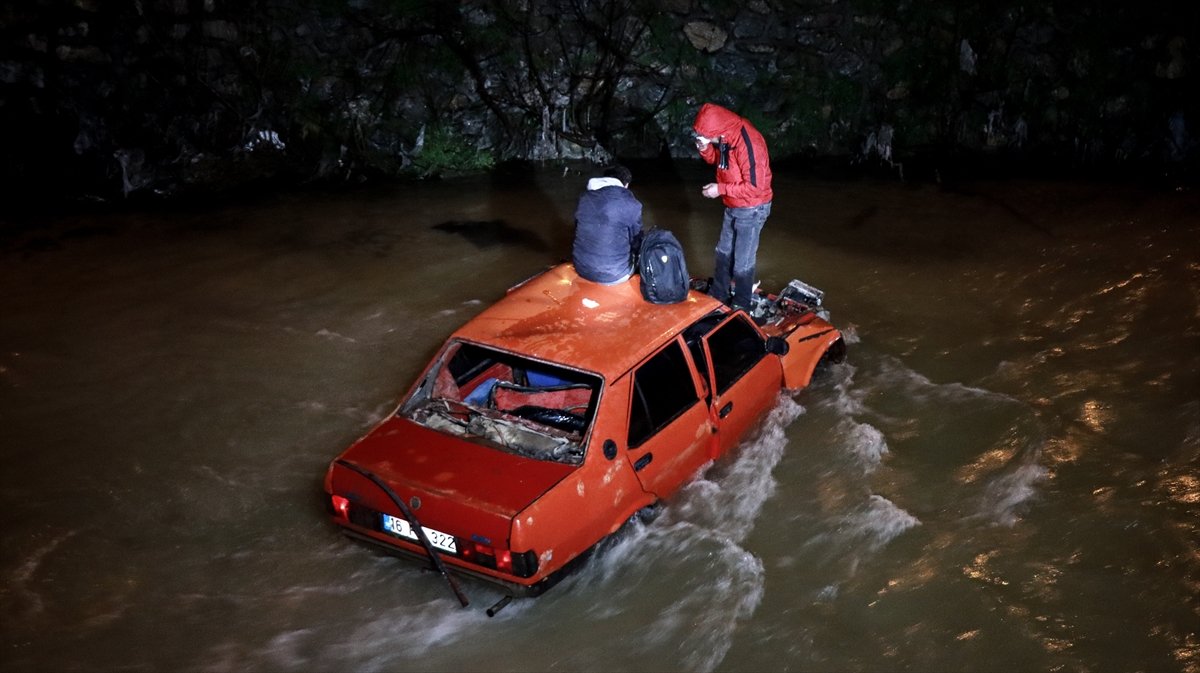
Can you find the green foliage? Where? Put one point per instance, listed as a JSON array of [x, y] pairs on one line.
[[446, 153]]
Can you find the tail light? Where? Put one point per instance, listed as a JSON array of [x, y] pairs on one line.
[[341, 507], [521, 564]]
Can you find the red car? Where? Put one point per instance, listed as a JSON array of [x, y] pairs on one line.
[[562, 411]]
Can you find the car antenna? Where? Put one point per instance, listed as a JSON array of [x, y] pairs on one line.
[[416, 525]]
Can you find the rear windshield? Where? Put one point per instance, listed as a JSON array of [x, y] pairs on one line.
[[520, 405]]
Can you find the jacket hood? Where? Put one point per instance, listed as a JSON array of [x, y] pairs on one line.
[[600, 183], [713, 121]]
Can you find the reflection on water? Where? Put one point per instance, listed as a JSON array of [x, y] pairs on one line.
[[1005, 469]]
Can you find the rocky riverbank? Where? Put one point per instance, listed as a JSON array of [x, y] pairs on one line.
[[163, 98]]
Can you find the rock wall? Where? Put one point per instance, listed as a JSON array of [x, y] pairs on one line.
[[166, 97]]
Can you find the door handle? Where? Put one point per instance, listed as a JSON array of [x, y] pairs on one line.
[[643, 462], [725, 410]]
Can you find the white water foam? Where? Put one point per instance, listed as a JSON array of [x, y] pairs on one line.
[[1008, 494], [858, 534], [917, 406], [889, 377], [878, 522], [846, 399], [865, 442], [702, 623], [729, 498], [393, 632], [408, 630]]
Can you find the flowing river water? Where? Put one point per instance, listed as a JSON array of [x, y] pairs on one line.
[[1003, 475]]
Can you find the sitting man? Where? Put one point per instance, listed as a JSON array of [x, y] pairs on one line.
[[608, 228]]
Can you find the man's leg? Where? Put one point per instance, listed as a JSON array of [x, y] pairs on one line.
[[748, 224], [724, 259]]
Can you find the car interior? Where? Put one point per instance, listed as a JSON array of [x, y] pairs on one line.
[[531, 407]]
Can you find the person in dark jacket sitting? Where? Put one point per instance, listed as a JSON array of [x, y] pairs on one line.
[[608, 228]]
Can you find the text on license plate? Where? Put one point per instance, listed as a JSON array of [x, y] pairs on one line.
[[401, 527]]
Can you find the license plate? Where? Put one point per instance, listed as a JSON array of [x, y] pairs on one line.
[[401, 527]]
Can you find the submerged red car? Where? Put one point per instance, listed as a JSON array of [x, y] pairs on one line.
[[562, 411]]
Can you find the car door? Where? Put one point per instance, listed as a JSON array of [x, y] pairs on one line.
[[744, 379], [669, 426]]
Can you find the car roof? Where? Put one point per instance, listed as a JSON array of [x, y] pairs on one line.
[[559, 317]]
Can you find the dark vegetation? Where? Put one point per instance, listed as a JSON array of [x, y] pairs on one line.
[[168, 98]]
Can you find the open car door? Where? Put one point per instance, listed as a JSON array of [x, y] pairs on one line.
[[743, 378]]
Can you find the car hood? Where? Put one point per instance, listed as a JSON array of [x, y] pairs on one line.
[[461, 488]]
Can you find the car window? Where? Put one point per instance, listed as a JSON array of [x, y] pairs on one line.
[[662, 390], [735, 348], [694, 335], [526, 406]]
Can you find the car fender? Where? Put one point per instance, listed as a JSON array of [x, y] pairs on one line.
[[571, 518], [586, 506], [806, 348]]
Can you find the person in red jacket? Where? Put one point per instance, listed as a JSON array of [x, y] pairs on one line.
[[739, 152]]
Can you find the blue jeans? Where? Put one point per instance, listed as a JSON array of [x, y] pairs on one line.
[[737, 252]]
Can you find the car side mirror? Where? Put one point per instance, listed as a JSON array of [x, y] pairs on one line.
[[777, 345]]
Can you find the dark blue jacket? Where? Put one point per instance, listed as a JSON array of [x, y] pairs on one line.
[[608, 231]]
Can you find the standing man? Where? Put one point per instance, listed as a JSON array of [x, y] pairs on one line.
[[744, 184], [608, 228]]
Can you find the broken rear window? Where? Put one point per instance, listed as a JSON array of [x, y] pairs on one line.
[[520, 405]]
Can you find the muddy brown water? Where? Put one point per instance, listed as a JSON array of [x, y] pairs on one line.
[[1002, 476]]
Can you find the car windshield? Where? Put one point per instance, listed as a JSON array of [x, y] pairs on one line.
[[517, 404]]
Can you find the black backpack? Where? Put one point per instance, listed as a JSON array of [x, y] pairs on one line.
[[662, 267]]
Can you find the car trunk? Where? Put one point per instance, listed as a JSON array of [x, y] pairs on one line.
[[453, 485]]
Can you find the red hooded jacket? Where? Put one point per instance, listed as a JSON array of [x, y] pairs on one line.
[[744, 177]]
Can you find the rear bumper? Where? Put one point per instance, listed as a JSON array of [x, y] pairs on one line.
[[514, 589]]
